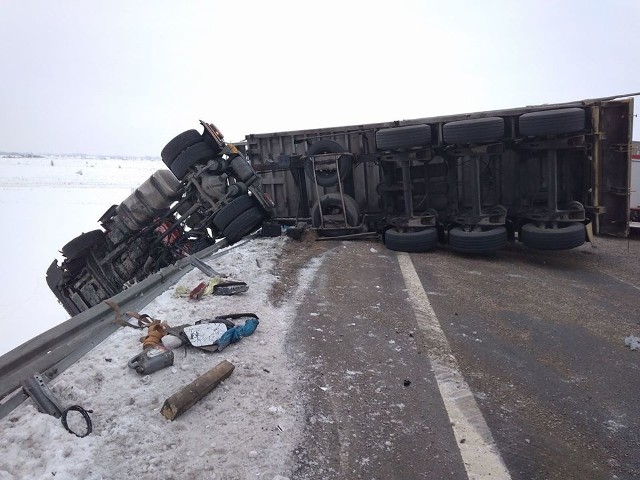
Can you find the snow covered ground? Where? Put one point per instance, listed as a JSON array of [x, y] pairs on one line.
[[44, 203], [247, 427]]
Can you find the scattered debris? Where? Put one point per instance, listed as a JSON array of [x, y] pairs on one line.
[[204, 333], [46, 402], [152, 359], [197, 292], [203, 267], [211, 285], [183, 400], [155, 331], [296, 232], [407, 383], [172, 340], [271, 229], [632, 342], [230, 288], [155, 355], [237, 333], [215, 286]]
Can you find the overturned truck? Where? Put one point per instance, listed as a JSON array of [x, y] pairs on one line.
[[209, 192], [474, 182]]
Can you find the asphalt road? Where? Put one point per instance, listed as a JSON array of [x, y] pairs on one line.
[[538, 337]]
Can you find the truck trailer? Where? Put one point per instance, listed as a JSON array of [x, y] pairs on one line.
[[538, 175]]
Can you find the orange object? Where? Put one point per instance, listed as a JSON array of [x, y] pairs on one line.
[[197, 292]]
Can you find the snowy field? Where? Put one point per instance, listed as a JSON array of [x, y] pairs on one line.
[[44, 203]]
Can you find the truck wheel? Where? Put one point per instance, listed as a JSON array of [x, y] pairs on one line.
[[81, 243], [403, 137], [552, 122], [421, 241], [196, 153], [176, 146], [54, 276], [329, 177], [479, 130], [331, 204], [244, 224], [231, 211], [55, 281], [562, 238], [481, 241]]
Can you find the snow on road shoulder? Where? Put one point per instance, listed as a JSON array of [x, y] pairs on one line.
[[245, 428]]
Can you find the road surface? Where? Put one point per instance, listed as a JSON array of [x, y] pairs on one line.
[[440, 365]]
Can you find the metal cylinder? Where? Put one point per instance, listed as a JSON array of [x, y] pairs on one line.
[[157, 193], [243, 170]]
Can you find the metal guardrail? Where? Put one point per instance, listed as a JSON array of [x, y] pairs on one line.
[[53, 351]]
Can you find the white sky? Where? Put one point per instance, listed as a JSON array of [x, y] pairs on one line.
[[123, 77]]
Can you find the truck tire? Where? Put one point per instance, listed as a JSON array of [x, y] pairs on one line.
[[76, 247], [421, 241], [399, 138], [483, 241], [196, 153], [327, 178], [244, 224], [552, 122], [176, 146], [55, 279], [562, 238], [331, 204], [229, 212], [478, 130], [54, 276]]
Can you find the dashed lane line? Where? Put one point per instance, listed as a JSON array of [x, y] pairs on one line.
[[479, 452]]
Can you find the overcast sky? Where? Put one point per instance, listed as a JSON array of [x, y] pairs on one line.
[[123, 77]]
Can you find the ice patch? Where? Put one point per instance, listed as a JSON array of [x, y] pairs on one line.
[[632, 342]]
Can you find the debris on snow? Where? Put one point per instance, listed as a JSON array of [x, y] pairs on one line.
[[188, 396], [128, 433]]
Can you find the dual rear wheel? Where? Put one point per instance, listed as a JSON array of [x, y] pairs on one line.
[[186, 150]]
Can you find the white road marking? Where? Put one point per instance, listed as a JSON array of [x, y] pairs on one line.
[[478, 450], [622, 281]]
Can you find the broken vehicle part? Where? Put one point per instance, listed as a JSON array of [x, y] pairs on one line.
[[42, 396], [230, 288], [46, 402], [203, 267]]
